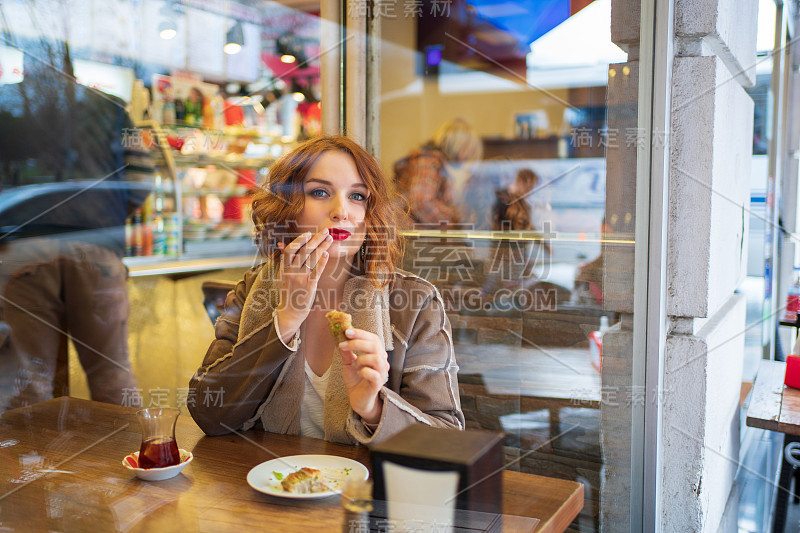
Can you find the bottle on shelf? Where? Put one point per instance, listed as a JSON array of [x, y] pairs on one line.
[[793, 299], [159, 243], [146, 230], [159, 236], [180, 110], [190, 112], [218, 110], [138, 235], [208, 114], [172, 234], [596, 344], [168, 110], [129, 236], [147, 238]]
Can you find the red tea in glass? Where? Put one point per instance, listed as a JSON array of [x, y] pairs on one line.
[[159, 448], [159, 452]]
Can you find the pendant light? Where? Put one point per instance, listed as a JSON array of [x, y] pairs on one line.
[[235, 39], [168, 27]]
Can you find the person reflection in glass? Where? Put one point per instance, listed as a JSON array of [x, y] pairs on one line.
[[68, 184]]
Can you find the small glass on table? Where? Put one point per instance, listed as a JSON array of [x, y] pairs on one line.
[[159, 448]]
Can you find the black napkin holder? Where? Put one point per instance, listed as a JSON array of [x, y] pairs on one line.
[[477, 456]]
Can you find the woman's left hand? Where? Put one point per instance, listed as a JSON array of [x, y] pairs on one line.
[[366, 369]]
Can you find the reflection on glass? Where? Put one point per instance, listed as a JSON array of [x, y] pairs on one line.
[[68, 182], [537, 270]]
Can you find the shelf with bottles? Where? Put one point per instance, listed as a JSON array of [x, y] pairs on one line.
[[180, 128], [236, 190], [197, 146], [190, 190], [230, 160], [155, 228], [202, 127]]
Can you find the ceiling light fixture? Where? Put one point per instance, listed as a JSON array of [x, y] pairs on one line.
[[234, 40], [291, 50], [167, 30], [168, 27]]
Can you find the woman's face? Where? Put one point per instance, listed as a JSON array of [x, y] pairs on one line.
[[335, 198]]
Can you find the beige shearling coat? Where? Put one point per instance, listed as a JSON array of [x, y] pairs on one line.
[[256, 380]]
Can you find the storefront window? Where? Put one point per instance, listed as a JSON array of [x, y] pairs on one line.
[[512, 131]]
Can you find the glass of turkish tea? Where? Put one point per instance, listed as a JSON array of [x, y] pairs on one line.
[[159, 448]]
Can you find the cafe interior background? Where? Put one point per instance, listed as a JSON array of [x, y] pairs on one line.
[[544, 320]]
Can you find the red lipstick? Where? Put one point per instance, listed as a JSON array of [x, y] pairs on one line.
[[339, 234]]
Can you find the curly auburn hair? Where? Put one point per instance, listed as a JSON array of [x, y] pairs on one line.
[[280, 200]]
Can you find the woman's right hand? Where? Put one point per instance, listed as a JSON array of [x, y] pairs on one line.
[[302, 262]]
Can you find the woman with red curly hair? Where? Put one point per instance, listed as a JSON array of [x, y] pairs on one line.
[[326, 222]]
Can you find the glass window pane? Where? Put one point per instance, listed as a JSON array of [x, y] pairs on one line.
[[511, 129]]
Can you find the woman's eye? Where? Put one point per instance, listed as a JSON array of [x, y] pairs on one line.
[[319, 193], [358, 196]]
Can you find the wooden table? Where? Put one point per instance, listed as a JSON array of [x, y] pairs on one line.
[[529, 379], [60, 469], [776, 407]]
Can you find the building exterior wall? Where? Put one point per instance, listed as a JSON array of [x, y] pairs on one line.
[[703, 373], [710, 151]]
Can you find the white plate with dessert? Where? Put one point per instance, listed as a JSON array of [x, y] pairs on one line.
[[305, 477]]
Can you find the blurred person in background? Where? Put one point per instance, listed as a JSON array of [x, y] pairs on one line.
[[480, 191], [518, 207], [432, 177], [512, 213]]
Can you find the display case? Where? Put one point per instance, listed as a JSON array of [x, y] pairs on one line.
[[197, 217]]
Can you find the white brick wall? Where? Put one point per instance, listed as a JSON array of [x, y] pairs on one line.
[[701, 421], [710, 152], [712, 126], [723, 26]]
